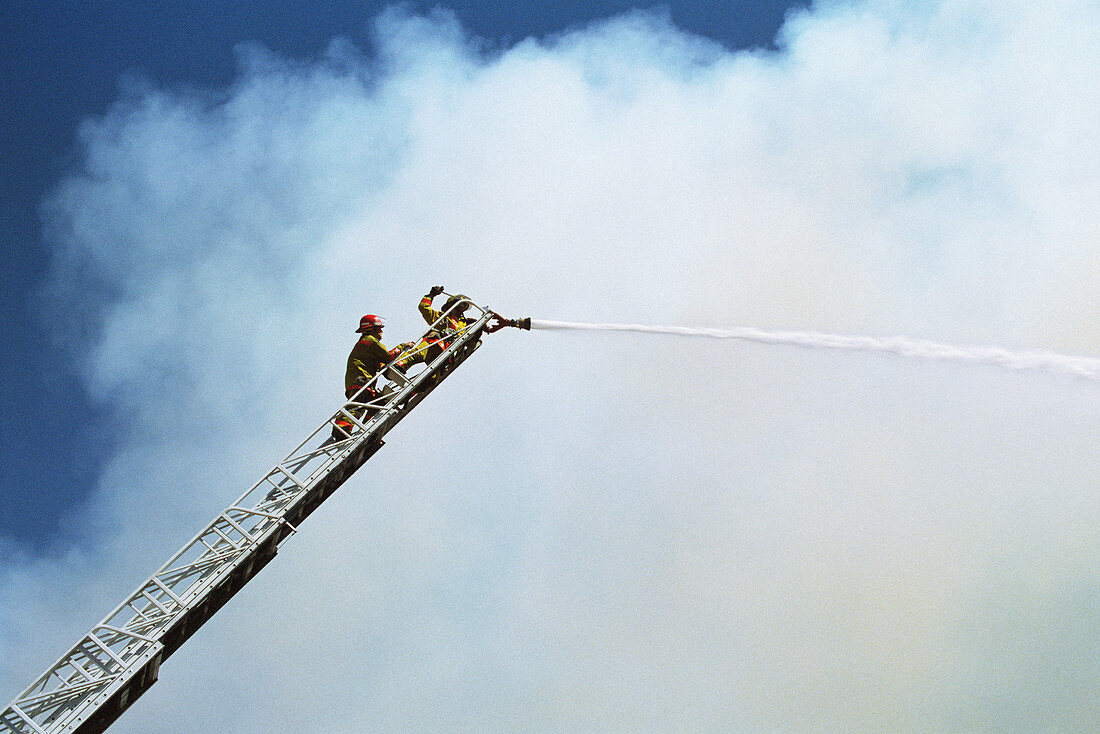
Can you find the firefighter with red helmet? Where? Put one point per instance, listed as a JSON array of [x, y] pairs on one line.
[[446, 322], [367, 357]]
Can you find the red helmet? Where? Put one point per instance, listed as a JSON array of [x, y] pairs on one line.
[[368, 322]]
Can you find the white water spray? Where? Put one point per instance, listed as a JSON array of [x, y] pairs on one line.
[[1087, 367]]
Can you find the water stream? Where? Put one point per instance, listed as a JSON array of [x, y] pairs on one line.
[[1086, 367]]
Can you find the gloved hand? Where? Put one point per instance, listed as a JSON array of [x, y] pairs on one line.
[[435, 291], [396, 351]]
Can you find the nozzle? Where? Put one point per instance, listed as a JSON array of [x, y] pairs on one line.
[[499, 322]]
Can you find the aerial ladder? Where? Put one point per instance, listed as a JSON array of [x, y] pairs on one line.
[[90, 686]]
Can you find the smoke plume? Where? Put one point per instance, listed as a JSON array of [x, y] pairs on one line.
[[583, 532]]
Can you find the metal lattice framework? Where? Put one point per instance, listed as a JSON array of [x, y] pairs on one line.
[[118, 659]]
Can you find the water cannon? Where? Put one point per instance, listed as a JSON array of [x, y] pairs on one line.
[[499, 322]]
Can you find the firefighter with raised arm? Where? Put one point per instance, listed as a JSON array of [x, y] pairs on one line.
[[367, 357], [450, 320]]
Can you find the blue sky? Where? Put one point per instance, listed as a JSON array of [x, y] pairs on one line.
[[578, 531], [66, 62]]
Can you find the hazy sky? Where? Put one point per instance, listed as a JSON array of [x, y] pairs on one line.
[[603, 531]]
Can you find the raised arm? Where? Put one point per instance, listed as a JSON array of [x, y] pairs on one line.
[[430, 314]]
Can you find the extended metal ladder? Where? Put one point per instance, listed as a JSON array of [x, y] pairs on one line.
[[99, 677]]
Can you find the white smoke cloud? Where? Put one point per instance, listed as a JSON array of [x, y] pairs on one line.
[[599, 532]]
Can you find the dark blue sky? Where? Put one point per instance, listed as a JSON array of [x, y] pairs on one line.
[[65, 61]]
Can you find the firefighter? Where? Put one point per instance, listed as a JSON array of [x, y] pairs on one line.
[[367, 357], [451, 319]]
